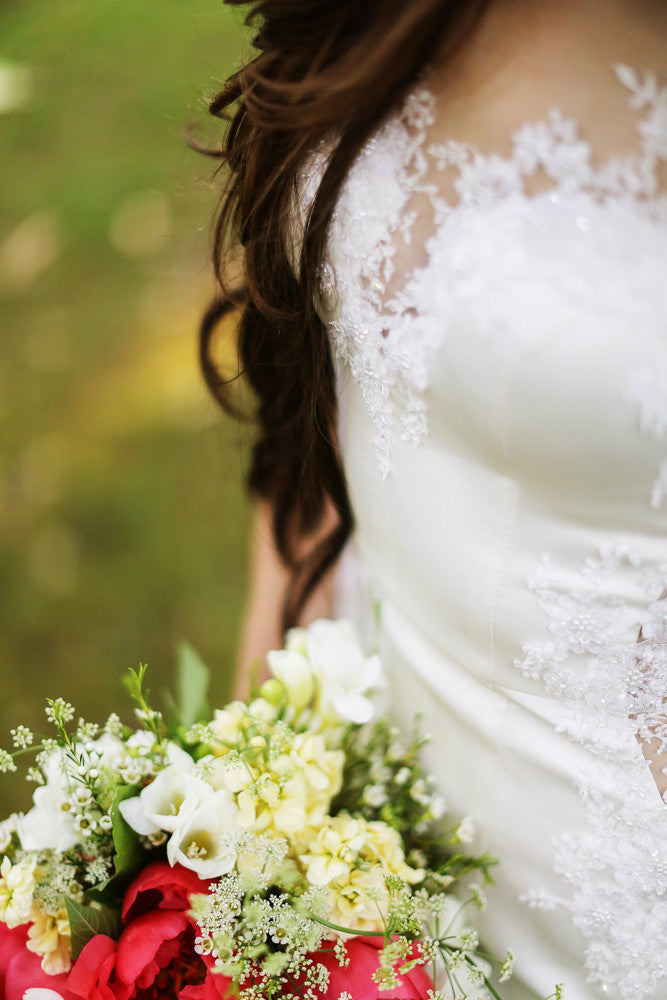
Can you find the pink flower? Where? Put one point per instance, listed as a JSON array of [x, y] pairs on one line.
[[357, 976], [163, 887], [20, 969], [94, 975], [154, 956]]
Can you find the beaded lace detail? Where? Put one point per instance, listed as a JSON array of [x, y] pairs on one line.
[[607, 665], [381, 284]]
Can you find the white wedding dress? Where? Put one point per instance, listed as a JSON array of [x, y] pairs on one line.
[[500, 324]]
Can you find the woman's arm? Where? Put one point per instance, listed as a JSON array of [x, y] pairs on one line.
[[269, 581]]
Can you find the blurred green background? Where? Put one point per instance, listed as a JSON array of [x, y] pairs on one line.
[[124, 523]]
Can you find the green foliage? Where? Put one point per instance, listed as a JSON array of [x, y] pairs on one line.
[[134, 684], [87, 921], [192, 683], [128, 855]]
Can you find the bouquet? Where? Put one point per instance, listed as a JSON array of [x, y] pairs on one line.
[[285, 846]]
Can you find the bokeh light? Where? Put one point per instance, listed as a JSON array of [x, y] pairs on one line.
[[124, 521]]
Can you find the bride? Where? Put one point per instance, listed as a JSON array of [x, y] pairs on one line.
[[453, 225]]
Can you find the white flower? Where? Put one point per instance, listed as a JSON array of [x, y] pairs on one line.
[[41, 994], [7, 828], [295, 673], [375, 795], [109, 750], [175, 793], [345, 674], [466, 830], [206, 841], [17, 885], [50, 823], [438, 807], [419, 793], [261, 710], [143, 742]]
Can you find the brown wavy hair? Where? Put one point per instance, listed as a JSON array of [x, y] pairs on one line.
[[321, 66]]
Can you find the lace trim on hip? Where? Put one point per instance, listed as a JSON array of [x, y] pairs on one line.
[[607, 662]]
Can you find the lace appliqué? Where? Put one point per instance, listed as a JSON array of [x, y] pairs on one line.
[[373, 331], [384, 323], [607, 665]]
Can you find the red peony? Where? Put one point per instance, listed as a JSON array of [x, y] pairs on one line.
[[21, 969], [154, 958], [159, 886], [11, 942], [94, 976]]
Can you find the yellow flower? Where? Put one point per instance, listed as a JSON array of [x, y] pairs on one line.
[[360, 901], [227, 726], [324, 768], [17, 884], [334, 852], [230, 725], [49, 936], [383, 844], [351, 857], [292, 791]]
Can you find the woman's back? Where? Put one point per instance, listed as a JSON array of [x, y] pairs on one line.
[[494, 287]]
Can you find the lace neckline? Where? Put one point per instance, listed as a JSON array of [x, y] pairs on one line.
[[384, 322], [554, 144]]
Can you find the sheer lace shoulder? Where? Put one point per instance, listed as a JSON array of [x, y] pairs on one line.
[[402, 251]]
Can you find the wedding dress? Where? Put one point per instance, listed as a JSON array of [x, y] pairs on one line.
[[500, 325]]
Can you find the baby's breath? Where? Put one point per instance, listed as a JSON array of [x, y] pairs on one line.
[[201, 732], [22, 737], [113, 726], [455, 961], [341, 953], [6, 762], [96, 871], [57, 883], [507, 968], [386, 977], [58, 711], [478, 897], [49, 747], [467, 940], [475, 975], [86, 731]]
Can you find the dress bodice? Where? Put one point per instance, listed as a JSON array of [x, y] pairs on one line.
[[501, 329]]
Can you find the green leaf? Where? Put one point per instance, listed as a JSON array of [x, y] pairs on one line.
[[192, 680], [128, 854], [133, 682], [87, 921]]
